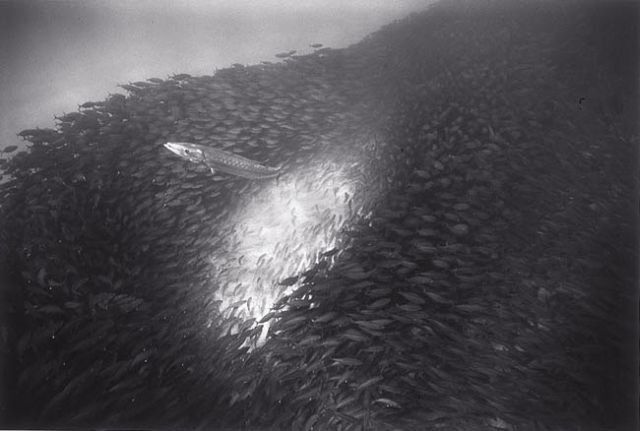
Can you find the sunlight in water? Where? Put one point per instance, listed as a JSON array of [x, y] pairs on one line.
[[279, 233], [282, 227]]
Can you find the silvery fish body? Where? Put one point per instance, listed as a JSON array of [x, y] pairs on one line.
[[223, 161]]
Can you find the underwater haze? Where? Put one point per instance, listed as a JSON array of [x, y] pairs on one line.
[[57, 55]]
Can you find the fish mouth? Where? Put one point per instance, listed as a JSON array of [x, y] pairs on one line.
[[174, 148], [186, 151]]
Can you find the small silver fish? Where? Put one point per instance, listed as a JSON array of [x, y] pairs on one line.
[[223, 161]]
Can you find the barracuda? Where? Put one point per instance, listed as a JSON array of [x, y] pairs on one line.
[[223, 161]]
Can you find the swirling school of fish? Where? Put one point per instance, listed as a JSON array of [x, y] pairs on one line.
[[461, 287]]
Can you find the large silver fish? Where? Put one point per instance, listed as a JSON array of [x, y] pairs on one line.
[[223, 161]]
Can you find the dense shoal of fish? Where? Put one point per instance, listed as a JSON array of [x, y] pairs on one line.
[[480, 281]]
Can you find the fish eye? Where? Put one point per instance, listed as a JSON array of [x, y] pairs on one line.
[[187, 151]]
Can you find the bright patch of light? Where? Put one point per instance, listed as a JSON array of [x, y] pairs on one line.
[[280, 228], [278, 234]]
